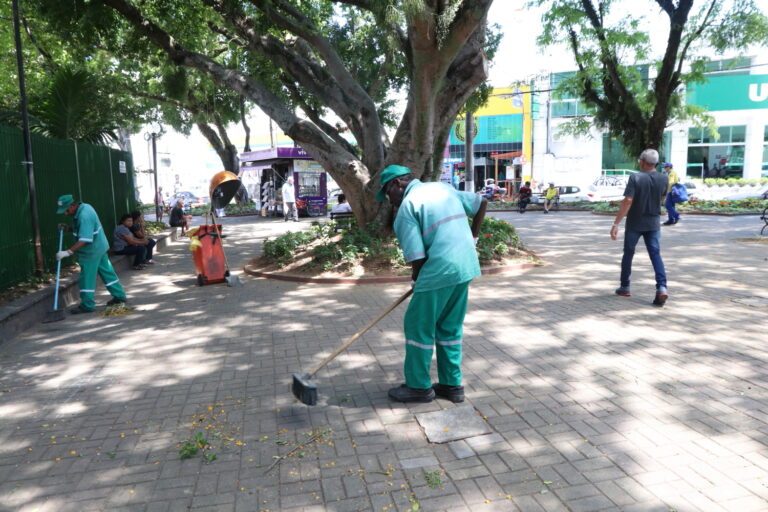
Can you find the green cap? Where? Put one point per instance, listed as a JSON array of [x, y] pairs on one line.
[[63, 203], [388, 174]]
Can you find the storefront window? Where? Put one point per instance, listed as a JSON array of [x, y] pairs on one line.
[[309, 183], [723, 157], [764, 174]]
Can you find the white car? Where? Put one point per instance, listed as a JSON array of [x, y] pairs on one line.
[[607, 188], [567, 193]]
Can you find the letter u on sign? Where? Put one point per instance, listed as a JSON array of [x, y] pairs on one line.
[[758, 92]]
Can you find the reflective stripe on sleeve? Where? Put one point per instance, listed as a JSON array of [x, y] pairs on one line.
[[443, 221], [417, 344], [414, 256], [85, 239]]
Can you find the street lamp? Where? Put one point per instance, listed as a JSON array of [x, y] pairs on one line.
[[157, 131]]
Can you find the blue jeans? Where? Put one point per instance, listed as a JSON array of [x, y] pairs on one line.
[[653, 246], [669, 204]]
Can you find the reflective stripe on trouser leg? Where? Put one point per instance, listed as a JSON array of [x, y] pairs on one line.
[[107, 274], [449, 332], [426, 311], [88, 271]]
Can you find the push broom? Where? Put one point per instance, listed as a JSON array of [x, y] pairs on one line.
[[56, 314], [305, 388]]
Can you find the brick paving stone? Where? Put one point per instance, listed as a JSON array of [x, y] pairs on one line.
[[619, 405]]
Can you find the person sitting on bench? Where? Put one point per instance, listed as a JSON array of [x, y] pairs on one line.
[[550, 196], [525, 196], [178, 219], [343, 206]]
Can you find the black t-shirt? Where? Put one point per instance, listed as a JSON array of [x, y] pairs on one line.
[[177, 216], [646, 190]]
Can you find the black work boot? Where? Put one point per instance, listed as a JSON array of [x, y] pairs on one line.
[[453, 393], [406, 394], [114, 300], [80, 310]]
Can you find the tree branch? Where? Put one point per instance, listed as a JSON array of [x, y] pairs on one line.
[[312, 139]]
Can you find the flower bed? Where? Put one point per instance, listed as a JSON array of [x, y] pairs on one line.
[[320, 250]]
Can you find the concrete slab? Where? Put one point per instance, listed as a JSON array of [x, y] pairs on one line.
[[452, 424]]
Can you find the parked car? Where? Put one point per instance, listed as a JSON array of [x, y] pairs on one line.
[[607, 188], [567, 193], [189, 199]]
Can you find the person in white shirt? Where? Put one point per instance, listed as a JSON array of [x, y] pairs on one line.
[[343, 206], [289, 201]]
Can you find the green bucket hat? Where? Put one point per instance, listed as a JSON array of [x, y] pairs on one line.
[[63, 203], [388, 174]]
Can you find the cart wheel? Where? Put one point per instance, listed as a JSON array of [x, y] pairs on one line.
[[226, 273], [200, 280]]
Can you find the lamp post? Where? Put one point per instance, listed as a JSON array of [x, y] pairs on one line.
[[153, 136], [27, 143]]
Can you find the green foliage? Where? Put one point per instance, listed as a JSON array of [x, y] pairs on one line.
[[433, 478], [282, 249], [191, 447], [495, 239], [732, 182]]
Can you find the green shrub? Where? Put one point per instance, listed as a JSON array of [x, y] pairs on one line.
[[495, 239]]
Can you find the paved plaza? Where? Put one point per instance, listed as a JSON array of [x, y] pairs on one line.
[[595, 402]]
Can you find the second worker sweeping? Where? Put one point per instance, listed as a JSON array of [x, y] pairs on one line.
[[434, 234]]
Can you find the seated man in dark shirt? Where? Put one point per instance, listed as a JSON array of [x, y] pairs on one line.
[[525, 196], [139, 233], [178, 219]]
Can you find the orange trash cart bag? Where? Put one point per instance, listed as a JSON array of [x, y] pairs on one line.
[[209, 256]]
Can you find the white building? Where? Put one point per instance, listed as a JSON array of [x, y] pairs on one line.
[[736, 96]]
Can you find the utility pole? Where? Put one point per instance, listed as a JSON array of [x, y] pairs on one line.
[[154, 169], [27, 144], [469, 152]]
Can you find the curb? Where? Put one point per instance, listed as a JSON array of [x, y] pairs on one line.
[[251, 271], [714, 214], [23, 313]]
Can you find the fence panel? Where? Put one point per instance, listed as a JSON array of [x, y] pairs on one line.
[[90, 173]]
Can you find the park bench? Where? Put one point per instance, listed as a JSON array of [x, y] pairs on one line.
[[343, 219], [764, 218]]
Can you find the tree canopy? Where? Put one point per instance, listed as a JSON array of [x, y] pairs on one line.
[[628, 92], [327, 72]]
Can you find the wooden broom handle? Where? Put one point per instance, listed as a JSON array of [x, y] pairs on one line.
[[359, 333]]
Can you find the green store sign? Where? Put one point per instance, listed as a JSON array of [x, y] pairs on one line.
[[736, 92]]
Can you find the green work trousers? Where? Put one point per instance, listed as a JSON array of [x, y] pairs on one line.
[[88, 271], [435, 317]]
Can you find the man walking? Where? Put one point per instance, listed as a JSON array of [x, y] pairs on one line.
[[289, 201], [431, 225], [669, 201], [91, 248], [642, 206]]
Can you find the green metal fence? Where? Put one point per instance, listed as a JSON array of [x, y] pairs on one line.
[[97, 175]]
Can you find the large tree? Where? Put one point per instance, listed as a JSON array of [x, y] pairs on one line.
[[613, 54], [434, 48]]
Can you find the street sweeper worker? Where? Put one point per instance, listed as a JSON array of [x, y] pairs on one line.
[[91, 248], [436, 239]]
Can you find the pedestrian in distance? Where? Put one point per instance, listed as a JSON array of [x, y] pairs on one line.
[[673, 217], [91, 248], [550, 196], [436, 239], [641, 206], [289, 201], [524, 197], [124, 242], [159, 204]]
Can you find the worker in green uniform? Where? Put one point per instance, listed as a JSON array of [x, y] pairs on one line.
[[91, 248], [435, 237]]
